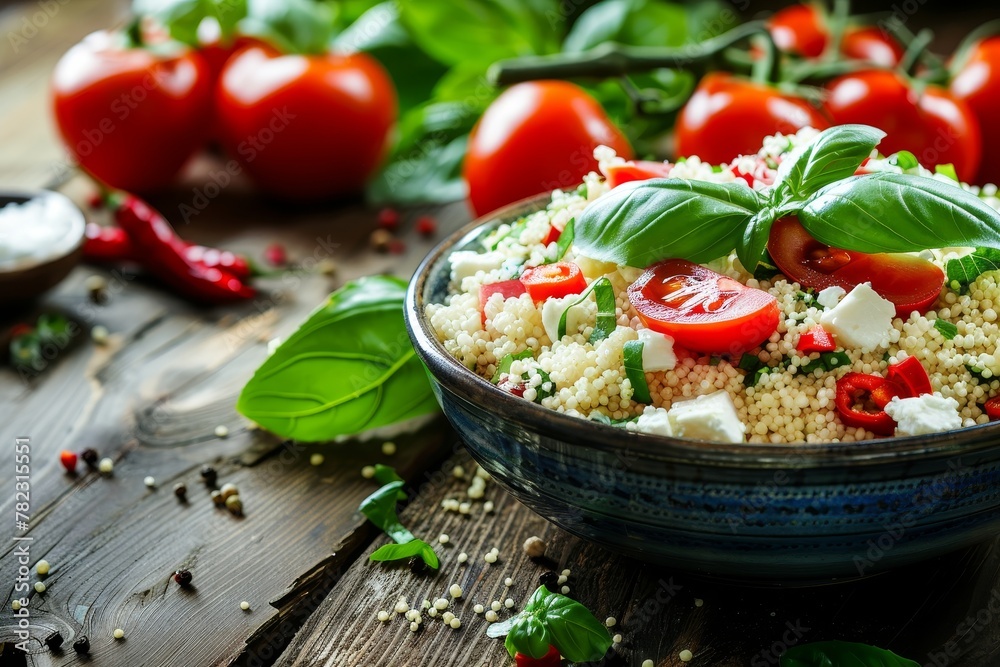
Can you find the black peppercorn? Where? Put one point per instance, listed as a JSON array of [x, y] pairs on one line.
[[180, 490], [417, 565], [89, 457], [82, 644], [209, 475], [54, 641], [183, 577], [550, 580]]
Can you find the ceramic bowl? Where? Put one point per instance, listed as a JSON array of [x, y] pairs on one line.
[[797, 514], [24, 280]]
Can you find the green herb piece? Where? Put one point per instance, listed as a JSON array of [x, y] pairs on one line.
[[600, 418], [295, 26], [753, 379], [632, 352], [553, 619], [963, 271], [948, 170], [606, 322], [832, 360], [515, 230], [641, 223], [904, 160], [888, 212], [766, 269], [565, 240], [349, 367], [506, 361], [405, 551], [979, 373], [380, 508], [641, 23], [749, 362], [386, 475], [540, 391], [54, 329], [181, 18], [842, 654], [834, 155], [714, 360], [947, 329], [26, 350]]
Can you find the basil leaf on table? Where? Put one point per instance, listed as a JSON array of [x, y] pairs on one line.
[[407, 550], [386, 475], [834, 155], [842, 654], [551, 618], [350, 367], [638, 224], [528, 636], [964, 270], [380, 508], [888, 212], [632, 353]]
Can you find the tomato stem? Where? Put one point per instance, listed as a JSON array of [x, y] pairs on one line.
[[611, 60], [837, 26], [906, 37], [133, 33], [915, 51]]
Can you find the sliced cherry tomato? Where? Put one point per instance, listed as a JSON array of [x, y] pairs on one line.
[[535, 137], [800, 30], [816, 339], [635, 170], [934, 125], [550, 659], [703, 310], [977, 83], [871, 44], [992, 408], [910, 375], [553, 281], [729, 116], [854, 392], [508, 288], [908, 282]]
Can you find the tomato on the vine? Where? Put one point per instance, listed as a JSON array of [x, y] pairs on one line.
[[703, 310], [909, 282], [306, 126], [977, 83], [930, 122], [535, 137], [130, 117], [871, 44], [803, 30], [729, 116]]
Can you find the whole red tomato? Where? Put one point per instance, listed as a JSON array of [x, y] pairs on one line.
[[977, 83], [729, 116], [130, 117], [871, 44], [931, 123], [305, 127], [535, 137], [802, 30]]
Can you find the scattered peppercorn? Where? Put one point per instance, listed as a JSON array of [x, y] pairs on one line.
[[209, 475], [508, 582], [149, 481], [617, 639], [82, 645], [218, 499], [42, 567], [227, 490], [698, 602], [276, 255], [388, 218], [388, 448], [426, 225], [455, 591], [39, 587], [488, 506], [509, 603], [380, 240], [417, 565], [534, 547], [234, 505], [462, 557], [564, 590], [610, 621], [455, 623], [478, 609], [89, 457], [491, 616], [496, 605], [118, 633], [180, 490], [106, 466], [96, 287], [685, 655], [368, 472], [221, 431], [443, 538], [183, 577], [316, 459], [99, 334], [549, 580], [68, 461], [54, 641], [383, 616], [15, 605], [566, 572], [245, 606]]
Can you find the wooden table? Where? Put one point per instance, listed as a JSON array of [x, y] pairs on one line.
[[152, 397]]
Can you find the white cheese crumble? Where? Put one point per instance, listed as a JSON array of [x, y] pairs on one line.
[[709, 417], [862, 319], [467, 263], [830, 296], [928, 413], [653, 421], [657, 351]]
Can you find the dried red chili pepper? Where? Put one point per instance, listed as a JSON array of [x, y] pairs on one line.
[[164, 254]]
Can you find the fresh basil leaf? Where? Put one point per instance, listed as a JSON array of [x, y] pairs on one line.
[[600, 418], [387, 474], [349, 367], [565, 241], [54, 329], [26, 351], [635, 22], [606, 322], [541, 392], [753, 244], [632, 353], [948, 170], [380, 508], [528, 636], [429, 556], [947, 329], [835, 154], [295, 26], [181, 18], [750, 362], [888, 212], [640, 223], [572, 629], [979, 373], [766, 270], [507, 360], [832, 360], [842, 654], [963, 271], [904, 160], [406, 550], [500, 629]]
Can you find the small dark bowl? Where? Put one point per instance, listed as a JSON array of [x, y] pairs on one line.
[[776, 514], [26, 280]]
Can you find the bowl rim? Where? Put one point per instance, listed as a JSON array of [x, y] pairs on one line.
[[473, 388], [75, 237]]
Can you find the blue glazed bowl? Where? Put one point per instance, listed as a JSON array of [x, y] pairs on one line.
[[782, 514]]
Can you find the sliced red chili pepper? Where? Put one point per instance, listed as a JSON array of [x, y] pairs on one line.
[[910, 375], [550, 659], [992, 408], [554, 280], [553, 235], [816, 339], [855, 388], [508, 288]]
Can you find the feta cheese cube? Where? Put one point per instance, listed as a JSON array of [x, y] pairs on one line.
[[861, 320], [657, 351], [928, 413], [652, 420], [830, 297], [466, 263], [553, 309], [709, 417]]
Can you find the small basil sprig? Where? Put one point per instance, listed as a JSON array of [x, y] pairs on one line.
[[553, 619], [350, 367], [963, 271], [632, 353], [638, 224], [380, 508], [565, 240], [605, 295], [842, 654]]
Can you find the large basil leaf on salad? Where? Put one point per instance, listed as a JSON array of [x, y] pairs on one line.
[[889, 212], [350, 367], [842, 654], [640, 223]]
